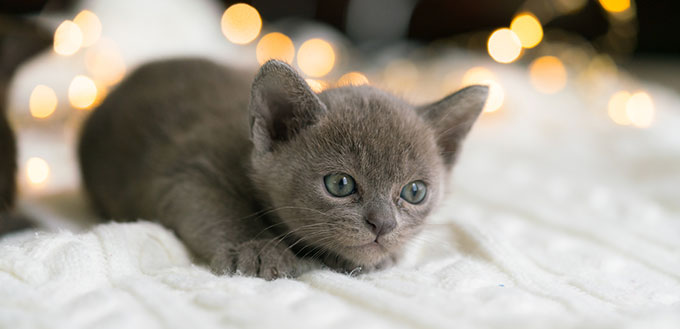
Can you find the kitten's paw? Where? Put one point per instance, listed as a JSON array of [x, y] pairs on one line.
[[262, 258]]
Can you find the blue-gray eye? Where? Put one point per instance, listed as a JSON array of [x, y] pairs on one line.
[[414, 192], [340, 185]]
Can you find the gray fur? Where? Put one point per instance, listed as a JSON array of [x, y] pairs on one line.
[[173, 144]]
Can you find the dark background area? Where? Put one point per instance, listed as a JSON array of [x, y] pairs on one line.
[[658, 33]]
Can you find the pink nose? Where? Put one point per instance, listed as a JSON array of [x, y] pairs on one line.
[[381, 225]]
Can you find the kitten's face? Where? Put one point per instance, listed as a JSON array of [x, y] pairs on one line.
[[353, 172], [373, 142]]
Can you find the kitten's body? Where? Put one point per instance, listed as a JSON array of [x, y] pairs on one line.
[[239, 174]]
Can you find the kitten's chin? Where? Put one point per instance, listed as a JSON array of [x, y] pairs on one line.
[[366, 255]]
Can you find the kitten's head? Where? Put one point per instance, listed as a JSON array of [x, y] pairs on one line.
[[352, 172]]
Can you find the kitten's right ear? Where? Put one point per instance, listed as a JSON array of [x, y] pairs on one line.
[[281, 105], [453, 116]]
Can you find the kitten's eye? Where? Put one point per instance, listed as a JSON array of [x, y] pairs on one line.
[[414, 192], [340, 185]]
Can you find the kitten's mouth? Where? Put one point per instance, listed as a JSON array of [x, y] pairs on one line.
[[373, 245]]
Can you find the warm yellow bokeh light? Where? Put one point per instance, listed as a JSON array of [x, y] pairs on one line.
[[82, 92], [615, 6], [67, 38], [102, 92], [316, 85], [275, 45], [105, 63], [37, 170], [241, 23], [528, 29], [353, 79], [504, 46], [316, 57], [616, 108], [43, 102], [482, 76], [548, 75], [640, 109], [90, 26]]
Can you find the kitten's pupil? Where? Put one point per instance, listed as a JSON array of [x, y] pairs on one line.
[[414, 189], [343, 182]]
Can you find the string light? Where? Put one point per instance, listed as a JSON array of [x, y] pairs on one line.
[[105, 63], [37, 171], [82, 92], [67, 38], [316, 57], [528, 29], [504, 46], [482, 76], [640, 109], [90, 26], [616, 108], [43, 102], [615, 6], [275, 45], [353, 79], [241, 23], [548, 74]]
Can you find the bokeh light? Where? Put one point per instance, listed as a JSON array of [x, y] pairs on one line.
[[67, 38], [37, 170], [43, 102], [529, 30], [317, 86], [241, 23], [275, 45], [548, 75], [90, 26], [353, 79], [482, 76], [105, 63], [615, 6], [504, 46], [82, 92], [316, 57], [640, 109], [616, 108]]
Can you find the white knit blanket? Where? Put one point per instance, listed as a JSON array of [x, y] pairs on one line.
[[558, 218]]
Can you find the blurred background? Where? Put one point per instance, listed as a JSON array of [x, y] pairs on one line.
[[60, 58]]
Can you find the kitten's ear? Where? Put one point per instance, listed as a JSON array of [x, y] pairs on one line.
[[281, 105], [453, 116]]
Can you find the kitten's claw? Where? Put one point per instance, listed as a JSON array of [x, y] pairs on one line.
[[261, 258]]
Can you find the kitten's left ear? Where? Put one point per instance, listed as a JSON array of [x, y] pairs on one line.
[[281, 105], [453, 116]]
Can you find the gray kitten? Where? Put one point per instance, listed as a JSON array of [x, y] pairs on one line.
[[263, 180]]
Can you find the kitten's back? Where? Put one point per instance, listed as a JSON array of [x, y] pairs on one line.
[[156, 121]]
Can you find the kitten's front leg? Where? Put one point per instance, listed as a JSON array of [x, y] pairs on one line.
[[222, 231], [265, 258]]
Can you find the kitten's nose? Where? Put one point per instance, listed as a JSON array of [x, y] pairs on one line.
[[381, 225]]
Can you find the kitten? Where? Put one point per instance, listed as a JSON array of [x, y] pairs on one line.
[[262, 180]]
